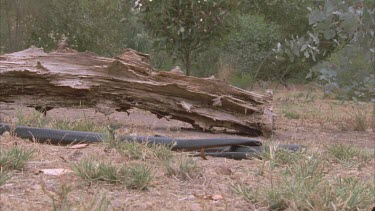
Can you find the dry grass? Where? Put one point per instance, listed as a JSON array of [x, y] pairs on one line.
[[37, 119], [134, 177], [182, 167], [303, 182], [335, 172], [13, 158], [308, 107], [4, 176]]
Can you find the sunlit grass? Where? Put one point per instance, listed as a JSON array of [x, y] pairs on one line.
[[133, 177], [302, 184]]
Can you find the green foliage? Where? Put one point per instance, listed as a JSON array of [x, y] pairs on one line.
[[206, 36], [344, 28], [348, 73], [249, 47], [290, 14], [89, 25], [208, 62], [290, 19], [186, 28], [105, 27], [332, 24], [242, 80]]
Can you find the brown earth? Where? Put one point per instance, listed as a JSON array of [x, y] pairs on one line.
[[303, 118]]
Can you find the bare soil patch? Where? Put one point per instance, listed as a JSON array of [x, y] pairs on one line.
[[303, 118]]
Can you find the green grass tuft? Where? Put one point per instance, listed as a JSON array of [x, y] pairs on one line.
[[182, 167], [136, 177], [4, 176], [134, 150], [36, 119], [348, 154], [77, 125], [15, 158], [291, 114], [88, 169], [280, 156], [133, 177], [360, 120], [141, 151], [302, 185]]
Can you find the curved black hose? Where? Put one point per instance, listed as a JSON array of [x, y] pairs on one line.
[[236, 148], [193, 144], [69, 137], [63, 137]]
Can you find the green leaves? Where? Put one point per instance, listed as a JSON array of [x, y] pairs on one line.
[[316, 16], [105, 27], [345, 29], [329, 34], [188, 27], [349, 73], [249, 46]]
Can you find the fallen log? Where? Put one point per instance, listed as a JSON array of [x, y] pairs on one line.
[[66, 78]]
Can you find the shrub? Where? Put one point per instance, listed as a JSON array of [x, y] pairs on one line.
[[348, 74], [249, 48]]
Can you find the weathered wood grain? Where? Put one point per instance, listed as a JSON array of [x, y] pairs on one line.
[[66, 78]]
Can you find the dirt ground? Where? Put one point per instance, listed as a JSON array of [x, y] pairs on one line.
[[303, 117]]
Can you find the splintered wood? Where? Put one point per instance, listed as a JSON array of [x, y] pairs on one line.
[[66, 78]]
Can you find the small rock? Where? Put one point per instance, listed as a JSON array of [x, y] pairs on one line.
[[6, 134]]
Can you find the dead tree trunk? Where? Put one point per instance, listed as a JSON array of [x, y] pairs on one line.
[[66, 78]]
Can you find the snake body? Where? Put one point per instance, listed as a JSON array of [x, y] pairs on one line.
[[236, 148]]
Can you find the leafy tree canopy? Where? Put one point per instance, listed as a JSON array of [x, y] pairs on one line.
[[340, 31], [187, 27]]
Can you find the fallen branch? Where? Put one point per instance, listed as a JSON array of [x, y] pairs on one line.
[[66, 78]]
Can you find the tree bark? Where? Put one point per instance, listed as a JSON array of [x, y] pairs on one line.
[[66, 78]]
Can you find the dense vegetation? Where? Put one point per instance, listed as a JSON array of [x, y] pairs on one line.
[[241, 41]]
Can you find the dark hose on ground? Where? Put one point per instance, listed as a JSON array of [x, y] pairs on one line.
[[236, 148]]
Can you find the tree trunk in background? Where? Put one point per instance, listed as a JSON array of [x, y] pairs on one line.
[[187, 61], [66, 78], [9, 26]]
